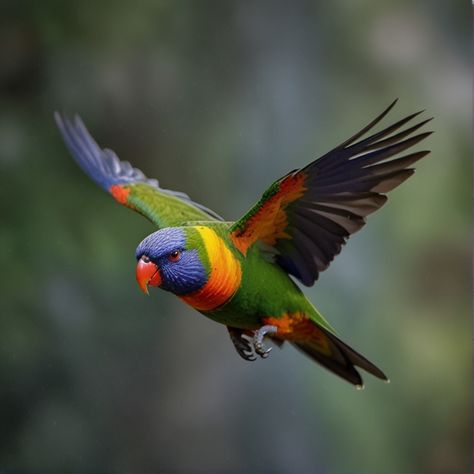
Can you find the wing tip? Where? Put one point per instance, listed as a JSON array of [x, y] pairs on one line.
[[105, 168], [60, 119]]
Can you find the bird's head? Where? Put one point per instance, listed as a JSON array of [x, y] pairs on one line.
[[174, 259]]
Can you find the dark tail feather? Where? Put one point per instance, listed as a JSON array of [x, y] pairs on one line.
[[341, 360]]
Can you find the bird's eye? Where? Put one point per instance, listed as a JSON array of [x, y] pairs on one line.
[[174, 256], [144, 259]]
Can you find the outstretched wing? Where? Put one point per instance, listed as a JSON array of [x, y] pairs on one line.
[[128, 185], [308, 215]]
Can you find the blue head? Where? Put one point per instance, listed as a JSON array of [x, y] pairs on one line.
[[170, 258]]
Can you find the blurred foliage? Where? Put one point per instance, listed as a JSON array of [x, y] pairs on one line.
[[218, 99]]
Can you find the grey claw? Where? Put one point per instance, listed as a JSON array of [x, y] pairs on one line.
[[249, 355], [266, 353], [262, 352]]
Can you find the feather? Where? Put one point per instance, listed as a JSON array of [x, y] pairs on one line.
[[327, 201], [107, 170]]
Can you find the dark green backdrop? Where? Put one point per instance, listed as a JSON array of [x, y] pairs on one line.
[[218, 99]]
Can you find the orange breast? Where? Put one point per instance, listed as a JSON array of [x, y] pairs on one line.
[[224, 278]]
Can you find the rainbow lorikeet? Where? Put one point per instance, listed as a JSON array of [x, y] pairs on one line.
[[238, 273]]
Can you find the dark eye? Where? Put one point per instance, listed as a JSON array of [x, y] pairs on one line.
[[144, 258], [174, 256]]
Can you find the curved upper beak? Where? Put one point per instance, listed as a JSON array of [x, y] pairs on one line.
[[147, 273]]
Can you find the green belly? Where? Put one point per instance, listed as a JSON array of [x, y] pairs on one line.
[[265, 291]]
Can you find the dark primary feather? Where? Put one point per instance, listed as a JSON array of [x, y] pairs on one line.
[[342, 188], [103, 165]]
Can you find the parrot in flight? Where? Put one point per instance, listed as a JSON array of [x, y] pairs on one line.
[[241, 274]]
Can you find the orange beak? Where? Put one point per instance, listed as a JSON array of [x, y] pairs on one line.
[[147, 273]]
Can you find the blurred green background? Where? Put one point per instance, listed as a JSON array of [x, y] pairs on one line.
[[218, 99]]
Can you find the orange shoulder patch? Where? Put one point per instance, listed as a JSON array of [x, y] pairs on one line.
[[269, 221]]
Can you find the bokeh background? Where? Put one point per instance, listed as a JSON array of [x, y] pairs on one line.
[[218, 99]]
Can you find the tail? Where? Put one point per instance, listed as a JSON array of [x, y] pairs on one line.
[[336, 356]]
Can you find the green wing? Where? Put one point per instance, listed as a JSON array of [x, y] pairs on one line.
[[128, 185], [307, 216]]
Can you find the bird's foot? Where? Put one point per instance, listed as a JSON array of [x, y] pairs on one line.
[[256, 341], [243, 343]]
